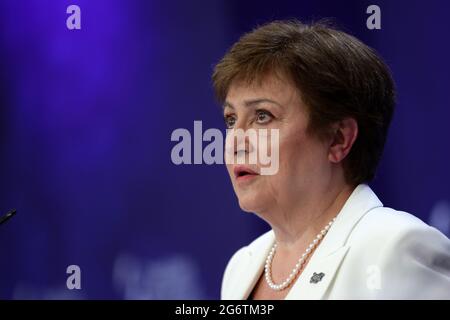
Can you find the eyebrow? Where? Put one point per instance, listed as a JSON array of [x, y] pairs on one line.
[[251, 103]]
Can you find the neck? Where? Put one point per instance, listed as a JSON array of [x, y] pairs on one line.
[[296, 226]]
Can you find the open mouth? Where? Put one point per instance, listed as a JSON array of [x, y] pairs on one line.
[[241, 172]]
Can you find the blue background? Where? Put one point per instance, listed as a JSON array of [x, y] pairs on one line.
[[85, 123]]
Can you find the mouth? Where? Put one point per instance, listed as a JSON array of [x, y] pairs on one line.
[[244, 173]]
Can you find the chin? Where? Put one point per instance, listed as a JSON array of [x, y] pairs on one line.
[[245, 207], [251, 203]]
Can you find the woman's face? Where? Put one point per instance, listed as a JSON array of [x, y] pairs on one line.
[[303, 158]]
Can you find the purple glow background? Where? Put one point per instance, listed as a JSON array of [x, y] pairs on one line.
[[85, 124]]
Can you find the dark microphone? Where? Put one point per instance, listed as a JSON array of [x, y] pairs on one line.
[[7, 216]]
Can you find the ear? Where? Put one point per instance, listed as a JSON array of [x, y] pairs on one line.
[[343, 137]]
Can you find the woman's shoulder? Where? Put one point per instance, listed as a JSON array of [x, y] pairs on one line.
[[261, 242], [387, 225], [387, 234], [242, 256], [411, 258]]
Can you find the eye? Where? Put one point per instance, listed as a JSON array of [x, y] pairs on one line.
[[230, 121], [263, 116]]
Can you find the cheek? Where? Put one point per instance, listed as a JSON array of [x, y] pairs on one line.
[[300, 154], [292, 148], [229, 170]]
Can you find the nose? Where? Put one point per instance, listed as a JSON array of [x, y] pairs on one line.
[[238, 141], [241, 141], [239, 145]]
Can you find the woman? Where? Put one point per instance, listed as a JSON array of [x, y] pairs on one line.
[[331, 98]]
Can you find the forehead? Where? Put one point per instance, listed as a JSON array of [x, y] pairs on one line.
[[270, 87]]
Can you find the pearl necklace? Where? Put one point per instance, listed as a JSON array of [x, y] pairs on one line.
[[298, 266]]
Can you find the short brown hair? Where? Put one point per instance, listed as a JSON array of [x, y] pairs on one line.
[[338, 77]]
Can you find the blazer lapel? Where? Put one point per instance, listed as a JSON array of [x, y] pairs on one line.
[[317, 276], [329, 254], [253, 266]]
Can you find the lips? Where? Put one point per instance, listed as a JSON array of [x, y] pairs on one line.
[[242, 172]]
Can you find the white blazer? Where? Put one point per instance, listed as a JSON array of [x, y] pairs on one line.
[[370, 252]]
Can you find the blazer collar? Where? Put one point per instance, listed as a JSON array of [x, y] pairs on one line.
[[326, 259]]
